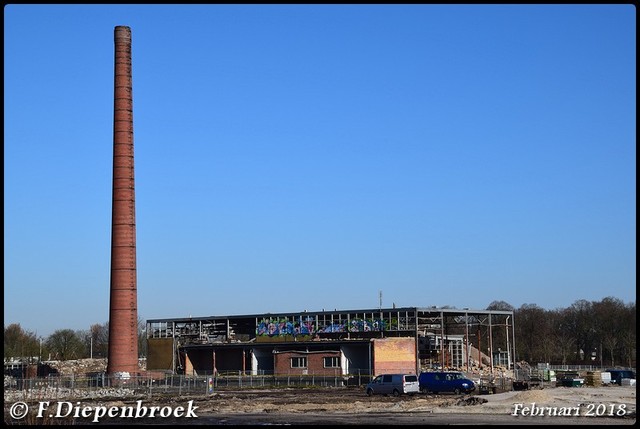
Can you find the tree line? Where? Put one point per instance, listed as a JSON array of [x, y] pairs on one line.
[[587, 333], [63, 344]]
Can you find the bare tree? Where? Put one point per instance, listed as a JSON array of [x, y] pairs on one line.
[[500, 305], [629, 345], [610, 342], [142, 338], [529, 330], [580, 323], [65, 344], [100, 339], [19, 343], [609, 320]]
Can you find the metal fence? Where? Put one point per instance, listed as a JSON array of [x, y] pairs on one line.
[[103, 386], [581, 367]]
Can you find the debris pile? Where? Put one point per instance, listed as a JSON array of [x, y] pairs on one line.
[[48, 392], [472, 400], [78, 366], [85, 366]]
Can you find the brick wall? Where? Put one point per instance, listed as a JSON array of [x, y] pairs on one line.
[[315, 363]]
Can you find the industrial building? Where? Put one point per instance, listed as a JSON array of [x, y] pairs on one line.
[[340, 342]]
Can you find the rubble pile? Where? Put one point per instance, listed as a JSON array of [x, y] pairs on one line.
[[78, 366], [49, 392], [84, 366], [488, 372], [471, 400], [9, 381]]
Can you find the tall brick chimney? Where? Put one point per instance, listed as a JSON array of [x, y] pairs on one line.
[[123, 306]]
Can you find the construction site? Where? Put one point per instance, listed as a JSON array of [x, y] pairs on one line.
[[354, 345]]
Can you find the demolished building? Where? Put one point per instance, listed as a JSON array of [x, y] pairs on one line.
[[341, 342]]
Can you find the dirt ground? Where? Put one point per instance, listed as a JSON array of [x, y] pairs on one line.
[[611, 405], [355, 400], [618, 402]]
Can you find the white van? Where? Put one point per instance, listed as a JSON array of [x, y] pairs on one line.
[[395, 384]]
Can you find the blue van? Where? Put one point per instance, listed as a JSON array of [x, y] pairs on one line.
[[445, 381]]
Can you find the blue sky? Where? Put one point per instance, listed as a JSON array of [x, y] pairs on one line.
[[293, 157]]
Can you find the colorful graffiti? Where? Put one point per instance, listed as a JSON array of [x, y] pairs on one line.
[[366, 325], [335, 327], [275, 327], [356, 325], [304, 325]]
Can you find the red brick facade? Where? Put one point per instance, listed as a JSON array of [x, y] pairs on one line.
[[292, 362]]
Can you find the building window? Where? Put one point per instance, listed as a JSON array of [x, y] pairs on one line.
[[332, 362], [298, 362]]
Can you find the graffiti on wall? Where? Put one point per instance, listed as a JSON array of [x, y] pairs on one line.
[[273, 327], [334, 327], [356, 325], [305, 325]]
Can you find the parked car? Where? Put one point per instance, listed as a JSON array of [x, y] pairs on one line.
[[395, 384], [445, 381]]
